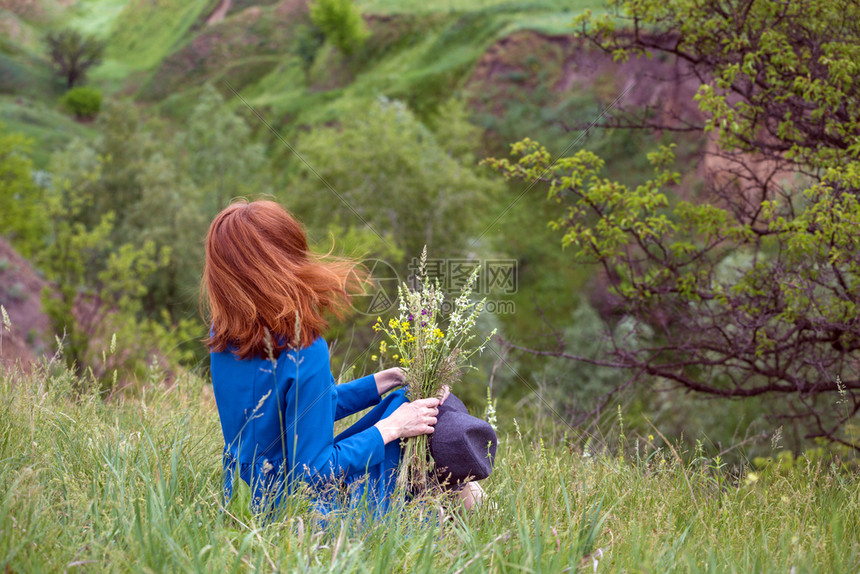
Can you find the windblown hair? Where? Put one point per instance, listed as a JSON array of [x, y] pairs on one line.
[[259, 276]]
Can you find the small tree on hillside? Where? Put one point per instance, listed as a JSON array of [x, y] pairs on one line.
[[753, 288], [73, 54], [22, 217], [341, 23]]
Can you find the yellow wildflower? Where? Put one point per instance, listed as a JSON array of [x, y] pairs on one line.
[[373, 357]]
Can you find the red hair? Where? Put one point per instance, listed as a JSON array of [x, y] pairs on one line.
[[259, 275]]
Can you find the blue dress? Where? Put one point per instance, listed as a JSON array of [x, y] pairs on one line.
[[278, 424]]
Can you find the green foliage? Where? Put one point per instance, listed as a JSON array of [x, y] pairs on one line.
[[20, 74], [21, 216], [799, 57], [222, 160], [97, 286], [340, 22], [44, 123], [85, 102], [308, 42], [386, 169], [122, 147], [73, 54], [216, 161], [784, 323], [138, 185], [125, 190]]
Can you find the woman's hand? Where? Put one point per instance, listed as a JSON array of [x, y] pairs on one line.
[[389, 379], [410, 419]]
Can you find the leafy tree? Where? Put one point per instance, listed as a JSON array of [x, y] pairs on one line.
[[121, 148], [309, 39], [21, 216], [340, 22], [752, 288], [221, 158], [97, 286], [73, 54], [386, 169], [165, 188]]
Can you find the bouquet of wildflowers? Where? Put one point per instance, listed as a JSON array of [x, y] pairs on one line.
[[433, 349]]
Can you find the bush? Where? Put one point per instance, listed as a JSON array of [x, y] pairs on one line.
[[84, 102], [340, 22]]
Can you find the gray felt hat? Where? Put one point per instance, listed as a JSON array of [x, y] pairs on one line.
[[463, 446]]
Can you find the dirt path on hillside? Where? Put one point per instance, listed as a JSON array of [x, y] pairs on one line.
[[220, 12]]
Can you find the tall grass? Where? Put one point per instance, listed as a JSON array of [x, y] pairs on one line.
[[133, 483]]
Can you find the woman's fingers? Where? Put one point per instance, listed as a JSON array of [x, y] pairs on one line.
[[427, 412], [443, 393], [431, 402], [410, 419], [428, 409]]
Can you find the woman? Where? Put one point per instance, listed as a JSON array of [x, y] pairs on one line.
[[276, 396]]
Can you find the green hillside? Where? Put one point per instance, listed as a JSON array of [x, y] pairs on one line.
[[418, 51]]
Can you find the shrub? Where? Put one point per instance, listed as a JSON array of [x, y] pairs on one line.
[[84, 102], [341, 23]]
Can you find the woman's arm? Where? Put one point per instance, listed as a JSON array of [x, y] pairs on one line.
[[309, 420], [359, 394], [311, 449], [355, 396], [309, 416]]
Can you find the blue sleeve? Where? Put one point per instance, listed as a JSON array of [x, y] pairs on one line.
[[311, 450], [356, 396]]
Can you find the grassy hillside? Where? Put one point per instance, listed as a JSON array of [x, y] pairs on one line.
[[419, 51]]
